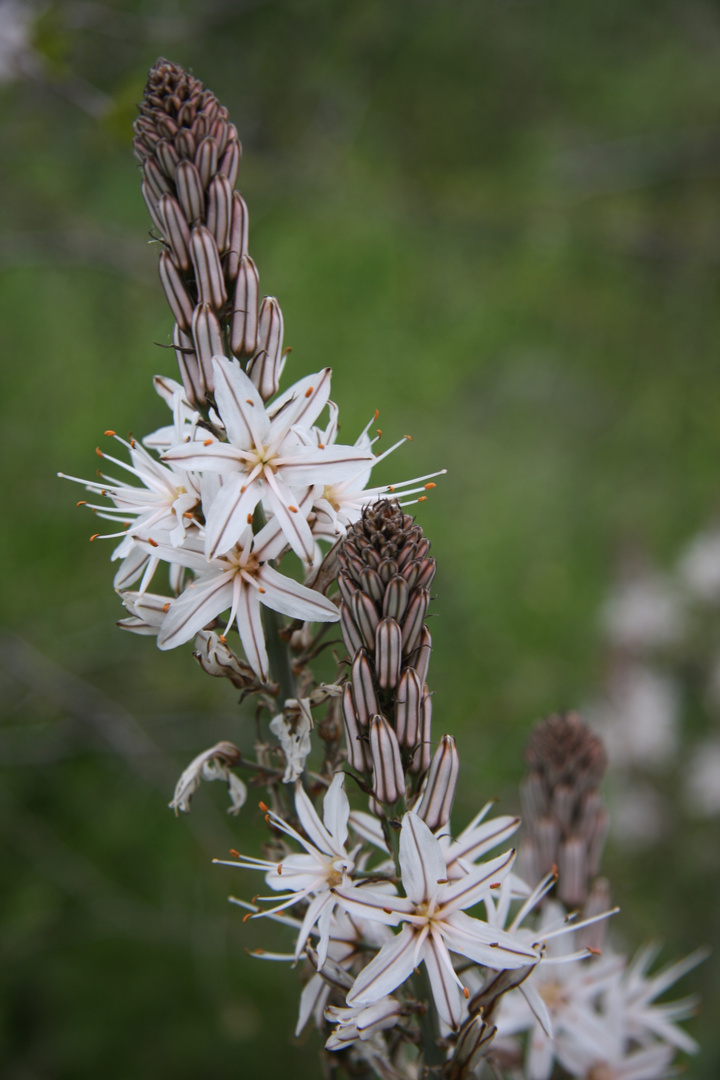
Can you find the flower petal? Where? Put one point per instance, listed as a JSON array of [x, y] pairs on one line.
[[229, 513], [201, 602], [249, 624], [421, 859], [485, 944], [393, 965], [293, 599], [241, 408]]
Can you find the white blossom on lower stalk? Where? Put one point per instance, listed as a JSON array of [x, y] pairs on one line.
[[361, 1021], [212, 764], [311, 876], [240, 580], [433, 911]]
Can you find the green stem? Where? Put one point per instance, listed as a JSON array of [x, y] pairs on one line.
[[279, 661]]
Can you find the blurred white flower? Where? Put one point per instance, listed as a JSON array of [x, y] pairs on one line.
[[702, 784], [699, 566]]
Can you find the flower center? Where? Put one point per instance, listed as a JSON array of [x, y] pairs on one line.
[[553, 994]]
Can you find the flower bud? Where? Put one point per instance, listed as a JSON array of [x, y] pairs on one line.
[[190, 192], [175, 292], [208, 271], [265, 367], [388, 778], [175, 230], [362, 687], [388, 653], [219, 209], [207, 337], [356, 749], [413, 624], [396, 598], [421, 758], [206, 160], [238, 236], [243, 331], [191, 373], [408, 710], [437, 798], [366, 619], [473, 1043]]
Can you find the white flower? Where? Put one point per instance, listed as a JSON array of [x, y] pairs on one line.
[[212, 764], [338, 504], [361, 1021], [265, 459], [435, 924], [292, 727], [313, 875], [166, 502], [241, 580]]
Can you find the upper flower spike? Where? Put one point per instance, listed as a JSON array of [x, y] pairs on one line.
[[190, 155]]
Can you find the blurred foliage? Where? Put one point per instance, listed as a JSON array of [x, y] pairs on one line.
[[500, 224]]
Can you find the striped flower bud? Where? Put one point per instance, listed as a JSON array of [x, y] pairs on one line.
[[408, 710], [363, 692], [437, 798], [265, 367], [358, 754], [191, 372], [388, 778], [190, 155]]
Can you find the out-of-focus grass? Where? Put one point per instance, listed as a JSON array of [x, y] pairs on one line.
[[499, 226]]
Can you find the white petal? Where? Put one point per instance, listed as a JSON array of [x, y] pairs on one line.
[[249, 624], [421, 859], [229, 512], [325, 467], [336, 811], [195, 608], [278, 500], [215, 456], [293, 599], [393, 965], [301, 404], [445, 989], [241, 408], [311, 823], [466, 891], [485, 944]]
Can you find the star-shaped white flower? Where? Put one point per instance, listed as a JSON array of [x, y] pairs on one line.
[[313, 875], [435, 924], [241, 580], [165, 501], [339, 504], [265, 459]]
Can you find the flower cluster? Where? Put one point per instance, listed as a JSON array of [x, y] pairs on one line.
[[425, 950]]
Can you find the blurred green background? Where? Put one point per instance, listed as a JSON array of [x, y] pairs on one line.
[[500, 225]]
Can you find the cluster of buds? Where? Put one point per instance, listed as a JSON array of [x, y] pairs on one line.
[[384, 580], [190, 155], [563, 813]]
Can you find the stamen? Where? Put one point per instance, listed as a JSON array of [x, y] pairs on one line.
[[310, 391], [110, 433]]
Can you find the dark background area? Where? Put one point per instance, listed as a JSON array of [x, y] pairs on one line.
[[500, 225]]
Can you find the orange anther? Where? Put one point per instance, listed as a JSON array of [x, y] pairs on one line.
[[234, 853], [99, 452], [110, 433], [595, 952], [249, 401], [377, 413], [408, 437], [321, 446], [260, 589], [422, 498], [248, 916], [83, 502], [166, 607], [442, 881], [207, 442], [222, 638], [293, 509], [249, 519], [496, 885], [390, 487], [133, 444], [263, 807], [388, 910], [279, 869], [310, 391], [152, 543], [379, 432], [94, 537], [258, 952], [466, 993], [429, 487]]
